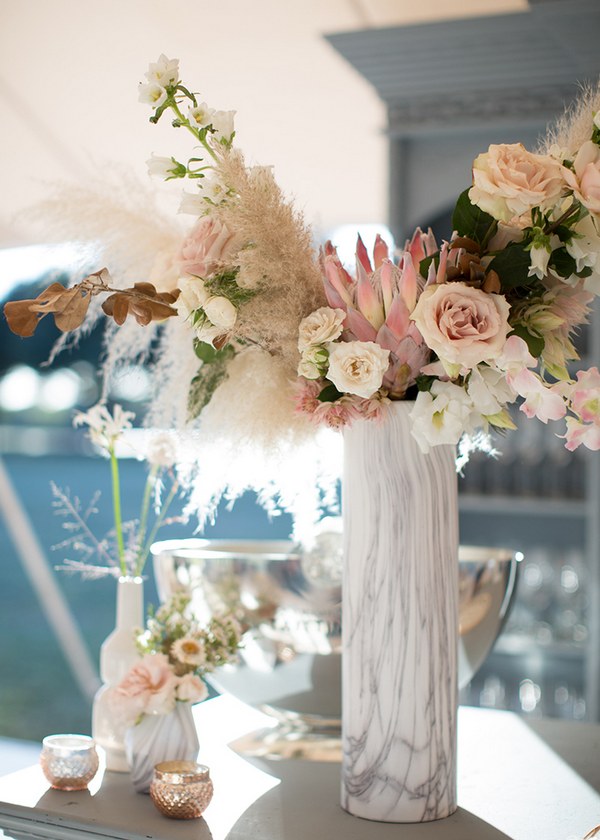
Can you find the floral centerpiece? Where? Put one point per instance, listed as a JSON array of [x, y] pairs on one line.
[[154, 698], [255, 339], [240, 303]]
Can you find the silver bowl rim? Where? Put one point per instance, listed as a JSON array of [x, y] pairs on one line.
[[284, 549]]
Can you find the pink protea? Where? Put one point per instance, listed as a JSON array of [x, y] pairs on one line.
[[305, 396], [378, 304], [336, 415]]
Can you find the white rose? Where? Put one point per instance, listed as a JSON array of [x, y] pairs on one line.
[[320, 326], [357, 367], [222, 122], [192, 296], [208, 332], [220, 311]]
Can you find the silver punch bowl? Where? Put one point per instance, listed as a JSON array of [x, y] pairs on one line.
[[289, 603]]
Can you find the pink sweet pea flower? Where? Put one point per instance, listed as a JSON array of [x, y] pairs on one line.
[[585, 395], [541, 400], [579, 433]]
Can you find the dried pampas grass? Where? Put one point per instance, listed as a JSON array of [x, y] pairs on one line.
[[279, 263], [575, 126]]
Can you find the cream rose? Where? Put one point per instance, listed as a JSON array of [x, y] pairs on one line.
[[220, 311], [357, 367], [321, 326], [584, 180], [208, 246], [509, 181], [461, 324], [192, 296]]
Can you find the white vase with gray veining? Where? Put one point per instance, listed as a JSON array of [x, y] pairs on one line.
[[156, 738], [400, 620]]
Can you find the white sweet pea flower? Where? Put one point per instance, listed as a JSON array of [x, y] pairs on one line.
[[201, 115], [193, 204], [321, 326], [584, 247], [220, 311], [441, 416], [597, 119], [222, 122], [152, 94], [357, 367], [515, 356], [163, 72], [489, 390]]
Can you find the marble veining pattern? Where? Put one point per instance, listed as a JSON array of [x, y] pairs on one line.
[[400, 624]]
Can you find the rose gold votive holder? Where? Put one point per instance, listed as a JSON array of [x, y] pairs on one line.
[[69, 762], [181, 790]]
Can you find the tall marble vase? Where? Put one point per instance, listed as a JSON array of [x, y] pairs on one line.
[[117, 654], [400, 624]]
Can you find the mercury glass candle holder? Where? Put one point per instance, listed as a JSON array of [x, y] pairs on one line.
[[69, 762], [181, 790]]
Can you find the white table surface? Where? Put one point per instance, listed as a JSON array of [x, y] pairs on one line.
[[518, 779]]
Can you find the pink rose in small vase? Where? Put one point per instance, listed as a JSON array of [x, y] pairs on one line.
[[148, 688], [462, 324], [208, 246]]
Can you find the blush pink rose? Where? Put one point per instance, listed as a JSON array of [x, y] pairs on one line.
[[461, 324], [584, 179], [208, 246], [509, 181], [148, 688]]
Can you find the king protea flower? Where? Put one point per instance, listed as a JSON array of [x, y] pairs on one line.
[[379, 302]]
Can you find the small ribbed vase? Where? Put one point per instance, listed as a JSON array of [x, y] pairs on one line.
[[400, 623], [157, 738]]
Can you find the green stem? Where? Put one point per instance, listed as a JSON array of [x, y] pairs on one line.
[[139, 560], [116, 493], [156, 526], [574, 208], [186, 124]]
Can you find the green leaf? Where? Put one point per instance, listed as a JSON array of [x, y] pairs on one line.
[[469, 220], [563, 263], [209, 354], [425, 382], [535, 343], [426, 263], [329, 394], [512, 266]]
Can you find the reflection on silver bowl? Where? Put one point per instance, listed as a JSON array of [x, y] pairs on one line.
[[289, 602]]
